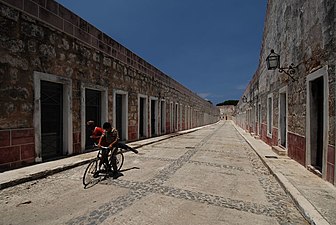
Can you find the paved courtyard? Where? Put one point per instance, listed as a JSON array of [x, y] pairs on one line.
[[210, 176]]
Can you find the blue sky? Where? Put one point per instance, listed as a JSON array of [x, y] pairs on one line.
[[211, 47]]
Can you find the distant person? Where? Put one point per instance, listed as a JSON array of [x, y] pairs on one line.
[[95, 132]]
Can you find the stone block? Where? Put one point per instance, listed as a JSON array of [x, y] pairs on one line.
[[4, 138], [82, 35], [4, 167], [68, 27], [24, 136], [94, 31], [83, 25], [76, 137], [31, 7], [52, 6], [68, 15], [77, 148], [51, 18], [330, 173], [15, 3], [27, 151], [9, 154], [331, 154], [40, 2], [280, 151]]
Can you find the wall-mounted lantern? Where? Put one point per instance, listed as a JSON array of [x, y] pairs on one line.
[[244, 99], [273, 63]]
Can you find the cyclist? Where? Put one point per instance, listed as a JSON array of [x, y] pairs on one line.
[[96, 133], [109, 139]]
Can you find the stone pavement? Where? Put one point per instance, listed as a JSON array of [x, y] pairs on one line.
[[34, 172], [315, 197]]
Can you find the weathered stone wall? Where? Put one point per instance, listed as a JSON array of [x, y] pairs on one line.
[[43, 36], [303, 33]]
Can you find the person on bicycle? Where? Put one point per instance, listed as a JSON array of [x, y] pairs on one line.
[[109, 139]]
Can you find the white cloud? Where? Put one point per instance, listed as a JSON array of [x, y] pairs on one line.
[[204, 95]]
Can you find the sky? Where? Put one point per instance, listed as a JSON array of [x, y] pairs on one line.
[[211, 47]]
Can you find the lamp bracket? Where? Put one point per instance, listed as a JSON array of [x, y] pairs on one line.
[[289, 71]]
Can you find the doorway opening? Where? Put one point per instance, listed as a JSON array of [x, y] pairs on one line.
[[51, 119], [52, 116], [163, 117], [259, 119], [142, 117], [154, 117], [120, 116], [283, 118], [92, 112], [176, 116], [316, 122]]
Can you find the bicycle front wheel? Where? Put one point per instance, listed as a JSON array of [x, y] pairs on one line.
[[91, 172]]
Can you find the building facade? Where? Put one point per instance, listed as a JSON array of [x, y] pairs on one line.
[[296, 112], [226, 112], [58, 71]]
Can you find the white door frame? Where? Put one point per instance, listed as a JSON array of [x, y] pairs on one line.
[[156, 125], [323, 72], [124, 111], [104, 107], [67, 112], [163, 117], [145, 115]]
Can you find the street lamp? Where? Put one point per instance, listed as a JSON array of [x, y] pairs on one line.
[[273, 63]]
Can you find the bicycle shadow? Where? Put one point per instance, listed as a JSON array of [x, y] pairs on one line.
[[132, 168], [103, 177]]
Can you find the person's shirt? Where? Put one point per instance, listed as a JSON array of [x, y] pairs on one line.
[[109, 137], [97, 133]]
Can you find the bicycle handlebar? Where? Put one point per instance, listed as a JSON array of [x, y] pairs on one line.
[[102, 147]]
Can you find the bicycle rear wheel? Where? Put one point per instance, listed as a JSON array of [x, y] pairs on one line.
[[91, 172], [120, 160]]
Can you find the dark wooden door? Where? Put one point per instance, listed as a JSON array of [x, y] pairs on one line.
[[51, 119], [92, 112], [119, 115]]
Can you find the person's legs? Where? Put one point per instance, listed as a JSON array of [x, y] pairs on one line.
[[114, 159], [105, 159], [126, 147]]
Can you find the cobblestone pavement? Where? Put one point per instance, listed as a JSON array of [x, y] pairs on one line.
[[210, 176]]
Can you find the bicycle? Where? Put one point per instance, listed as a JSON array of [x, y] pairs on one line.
[[97, 167]]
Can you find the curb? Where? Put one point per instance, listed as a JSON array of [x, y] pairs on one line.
[[60, 168], [305, 207], [42, 174]]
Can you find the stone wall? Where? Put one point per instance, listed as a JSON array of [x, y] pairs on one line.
[[43, 36], [302, 33]]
